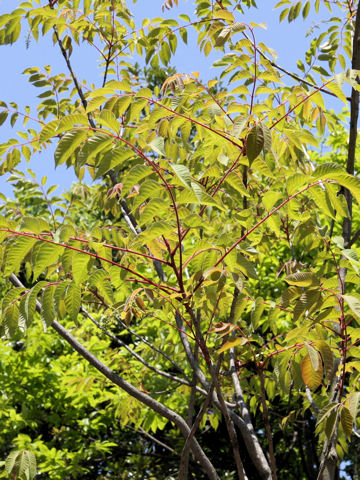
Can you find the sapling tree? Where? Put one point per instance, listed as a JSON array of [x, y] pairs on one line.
[[220, 238]]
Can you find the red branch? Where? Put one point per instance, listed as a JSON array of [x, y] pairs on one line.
[[95, 255]]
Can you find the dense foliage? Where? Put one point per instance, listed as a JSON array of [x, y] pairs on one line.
[[209, 278]]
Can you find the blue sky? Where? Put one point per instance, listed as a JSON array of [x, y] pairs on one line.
[[287, 39]]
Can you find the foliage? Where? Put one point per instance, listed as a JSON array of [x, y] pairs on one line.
[[220, 238]]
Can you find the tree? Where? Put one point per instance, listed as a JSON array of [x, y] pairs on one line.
[[220, 238]]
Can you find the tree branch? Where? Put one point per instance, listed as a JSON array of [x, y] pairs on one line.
[[143, 340], [142, 397], [138, 357]]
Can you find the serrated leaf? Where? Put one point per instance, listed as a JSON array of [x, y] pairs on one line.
[[66, 231], [34, 225], [79, 266], [59, 302], [68, 144], [331, 423], [154, 208], [157, 229], [47, 305], [200, 198], [256, 311], [238, 126], [346, 421], [328, 170], [290, 294], [112, 159], [246, 267], [108, 119], [134, 176], [314, 356], [95, 103], [21, 463], [322, 201], [353, 303], [258, 139], [44, 255], [28, 305], [270, 199], [183, 173], [325, 412], [352, 403], [158, 145], [224, 14], [327, 357], [100, 142], [16, 252], [311, 377], [70, 121], [236, 182], [337, 90], [73, 300], [302, 279], [100, 280]]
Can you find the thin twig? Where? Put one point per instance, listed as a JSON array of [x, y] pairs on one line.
[[120, 343]]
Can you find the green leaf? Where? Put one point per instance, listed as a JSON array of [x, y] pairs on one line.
[[112, 159], [327, 358], [199, 197], [346, 421], [183, 173], [28, 304], [79, 266], [231, 343], [256, 311], [238, 126], [108, 119], [73, 300], [95, 103], [328, 170], [155, 208], [352, 403], [337, 90], [158, 146], [100, 280], [10, 320], [314, 356], [134, 176], [47, 306], [331, 424], [246, 267], [34, 225], [44, 255], [322, 200], [326, 411], [236, 182], [302, 279], [59, 302], [270, 199], [100, 142], [156, 230], [68, 144], [16, 252], [21, 463], [69, 122], [353, 303], [258, 140]]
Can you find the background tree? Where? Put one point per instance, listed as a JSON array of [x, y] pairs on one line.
[[217, 253]]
